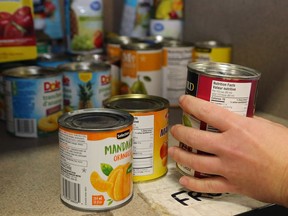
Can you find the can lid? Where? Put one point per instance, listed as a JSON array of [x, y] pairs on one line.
[[210, 44], [30, 72], [136, 103], [52, 57], [84, 66], [142, 46], [119, 40], [177, 43], [224, 70], [96, 119]]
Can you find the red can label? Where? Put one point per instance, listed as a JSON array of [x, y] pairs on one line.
[[236, 95]]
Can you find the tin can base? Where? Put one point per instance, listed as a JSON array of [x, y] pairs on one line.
[[96, 209]]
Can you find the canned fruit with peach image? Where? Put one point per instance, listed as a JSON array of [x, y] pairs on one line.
[[96, 158]]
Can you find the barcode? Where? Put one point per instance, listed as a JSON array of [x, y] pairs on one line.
[[71, 191], [26, 127]]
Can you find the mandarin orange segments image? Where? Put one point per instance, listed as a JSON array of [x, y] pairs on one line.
[[119, 181]]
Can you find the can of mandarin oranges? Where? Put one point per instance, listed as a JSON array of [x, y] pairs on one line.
[[96, 158], [230, 86], [150, 133]]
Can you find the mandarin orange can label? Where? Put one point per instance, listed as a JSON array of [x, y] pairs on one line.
[[96, 158], [150, 133]]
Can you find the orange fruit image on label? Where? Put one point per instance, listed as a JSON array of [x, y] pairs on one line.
[[118, 184]]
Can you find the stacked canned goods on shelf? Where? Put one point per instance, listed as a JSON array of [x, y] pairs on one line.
[[103, 95]]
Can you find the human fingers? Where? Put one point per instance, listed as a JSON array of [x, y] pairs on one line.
[[208, 112], [203, 163], [197, 139], [215, 184]]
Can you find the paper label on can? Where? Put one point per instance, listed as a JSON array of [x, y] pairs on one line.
[[33, 105], [235, 95], [150, 143], [96, 168], [175, 64], [86, 89], [141, 72]]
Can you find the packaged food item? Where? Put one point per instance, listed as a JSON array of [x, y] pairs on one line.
[[168, 9], [212, 51], [85, 84], [17, 35], [84, 26], [33, 100], [141, 69], [150, 133], [136, 18], [96, 158], [233, 87], [176, 56]]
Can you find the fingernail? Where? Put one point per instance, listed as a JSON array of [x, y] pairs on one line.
[[181, 98], [183, 180]]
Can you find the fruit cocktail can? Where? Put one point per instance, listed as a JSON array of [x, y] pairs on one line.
[[96, 159]]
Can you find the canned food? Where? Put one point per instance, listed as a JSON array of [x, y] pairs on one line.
[[51, 60], [96, 158], [212, 51], [33, 100], [113, 47], [114, 62], [141, 70], [84, 26], [176, 56], [85, 84], [233, 87], [150, 133]]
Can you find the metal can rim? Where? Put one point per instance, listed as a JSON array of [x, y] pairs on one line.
[[161, 103], [224, 70], [211, 44], [68, 120], [142, 46], [84, 66], [30, 72]]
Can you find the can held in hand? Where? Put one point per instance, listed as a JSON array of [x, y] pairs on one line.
[[230, 86], [150, 128], [141, 69], [96, 158], [85, 84], [176, 56], [212, 51], [33, 99]]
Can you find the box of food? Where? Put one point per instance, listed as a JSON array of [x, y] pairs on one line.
[[17, 35]]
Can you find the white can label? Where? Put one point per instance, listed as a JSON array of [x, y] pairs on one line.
[[96, 168]]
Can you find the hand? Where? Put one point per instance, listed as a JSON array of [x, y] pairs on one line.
[[249, 155]]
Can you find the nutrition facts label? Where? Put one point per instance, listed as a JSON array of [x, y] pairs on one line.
[[231, 95], [143, 145]]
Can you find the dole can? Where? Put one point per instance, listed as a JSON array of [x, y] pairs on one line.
[[33, 100], [85, 84]]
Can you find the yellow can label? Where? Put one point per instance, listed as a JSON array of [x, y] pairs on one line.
[[96, 168], [150, 144], [113, 51], [216, 54]]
